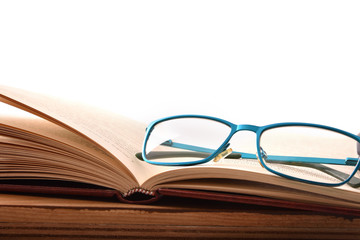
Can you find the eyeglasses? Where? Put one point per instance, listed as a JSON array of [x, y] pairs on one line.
[[304, 152]]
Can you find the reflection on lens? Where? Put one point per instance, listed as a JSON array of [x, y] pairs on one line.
[[185, 140], [310, 153]]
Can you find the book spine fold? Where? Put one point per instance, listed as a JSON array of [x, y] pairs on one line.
[[138, 190], [139, 195]]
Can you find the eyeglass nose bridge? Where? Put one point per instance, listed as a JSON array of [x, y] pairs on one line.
[[247, 127]]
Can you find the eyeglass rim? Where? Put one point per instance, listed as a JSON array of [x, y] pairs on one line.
[[258, 130], [209, 158]]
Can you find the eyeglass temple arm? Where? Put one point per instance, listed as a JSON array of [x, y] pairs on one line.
[[315, 163], [303, 161], [170, 143], [273, 158]]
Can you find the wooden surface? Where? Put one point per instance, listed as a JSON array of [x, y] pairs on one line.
[[36, 217]]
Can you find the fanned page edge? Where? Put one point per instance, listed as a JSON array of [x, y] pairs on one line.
[[54, 144], [14, 96]]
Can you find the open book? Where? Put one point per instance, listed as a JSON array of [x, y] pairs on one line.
[[67, 148]]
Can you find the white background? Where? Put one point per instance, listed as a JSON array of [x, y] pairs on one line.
[[251, 62]]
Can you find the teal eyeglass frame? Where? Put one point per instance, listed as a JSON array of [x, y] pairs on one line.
[[258, 130]]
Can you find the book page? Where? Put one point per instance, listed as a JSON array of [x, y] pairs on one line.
[[224, 176], [119, 136]]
